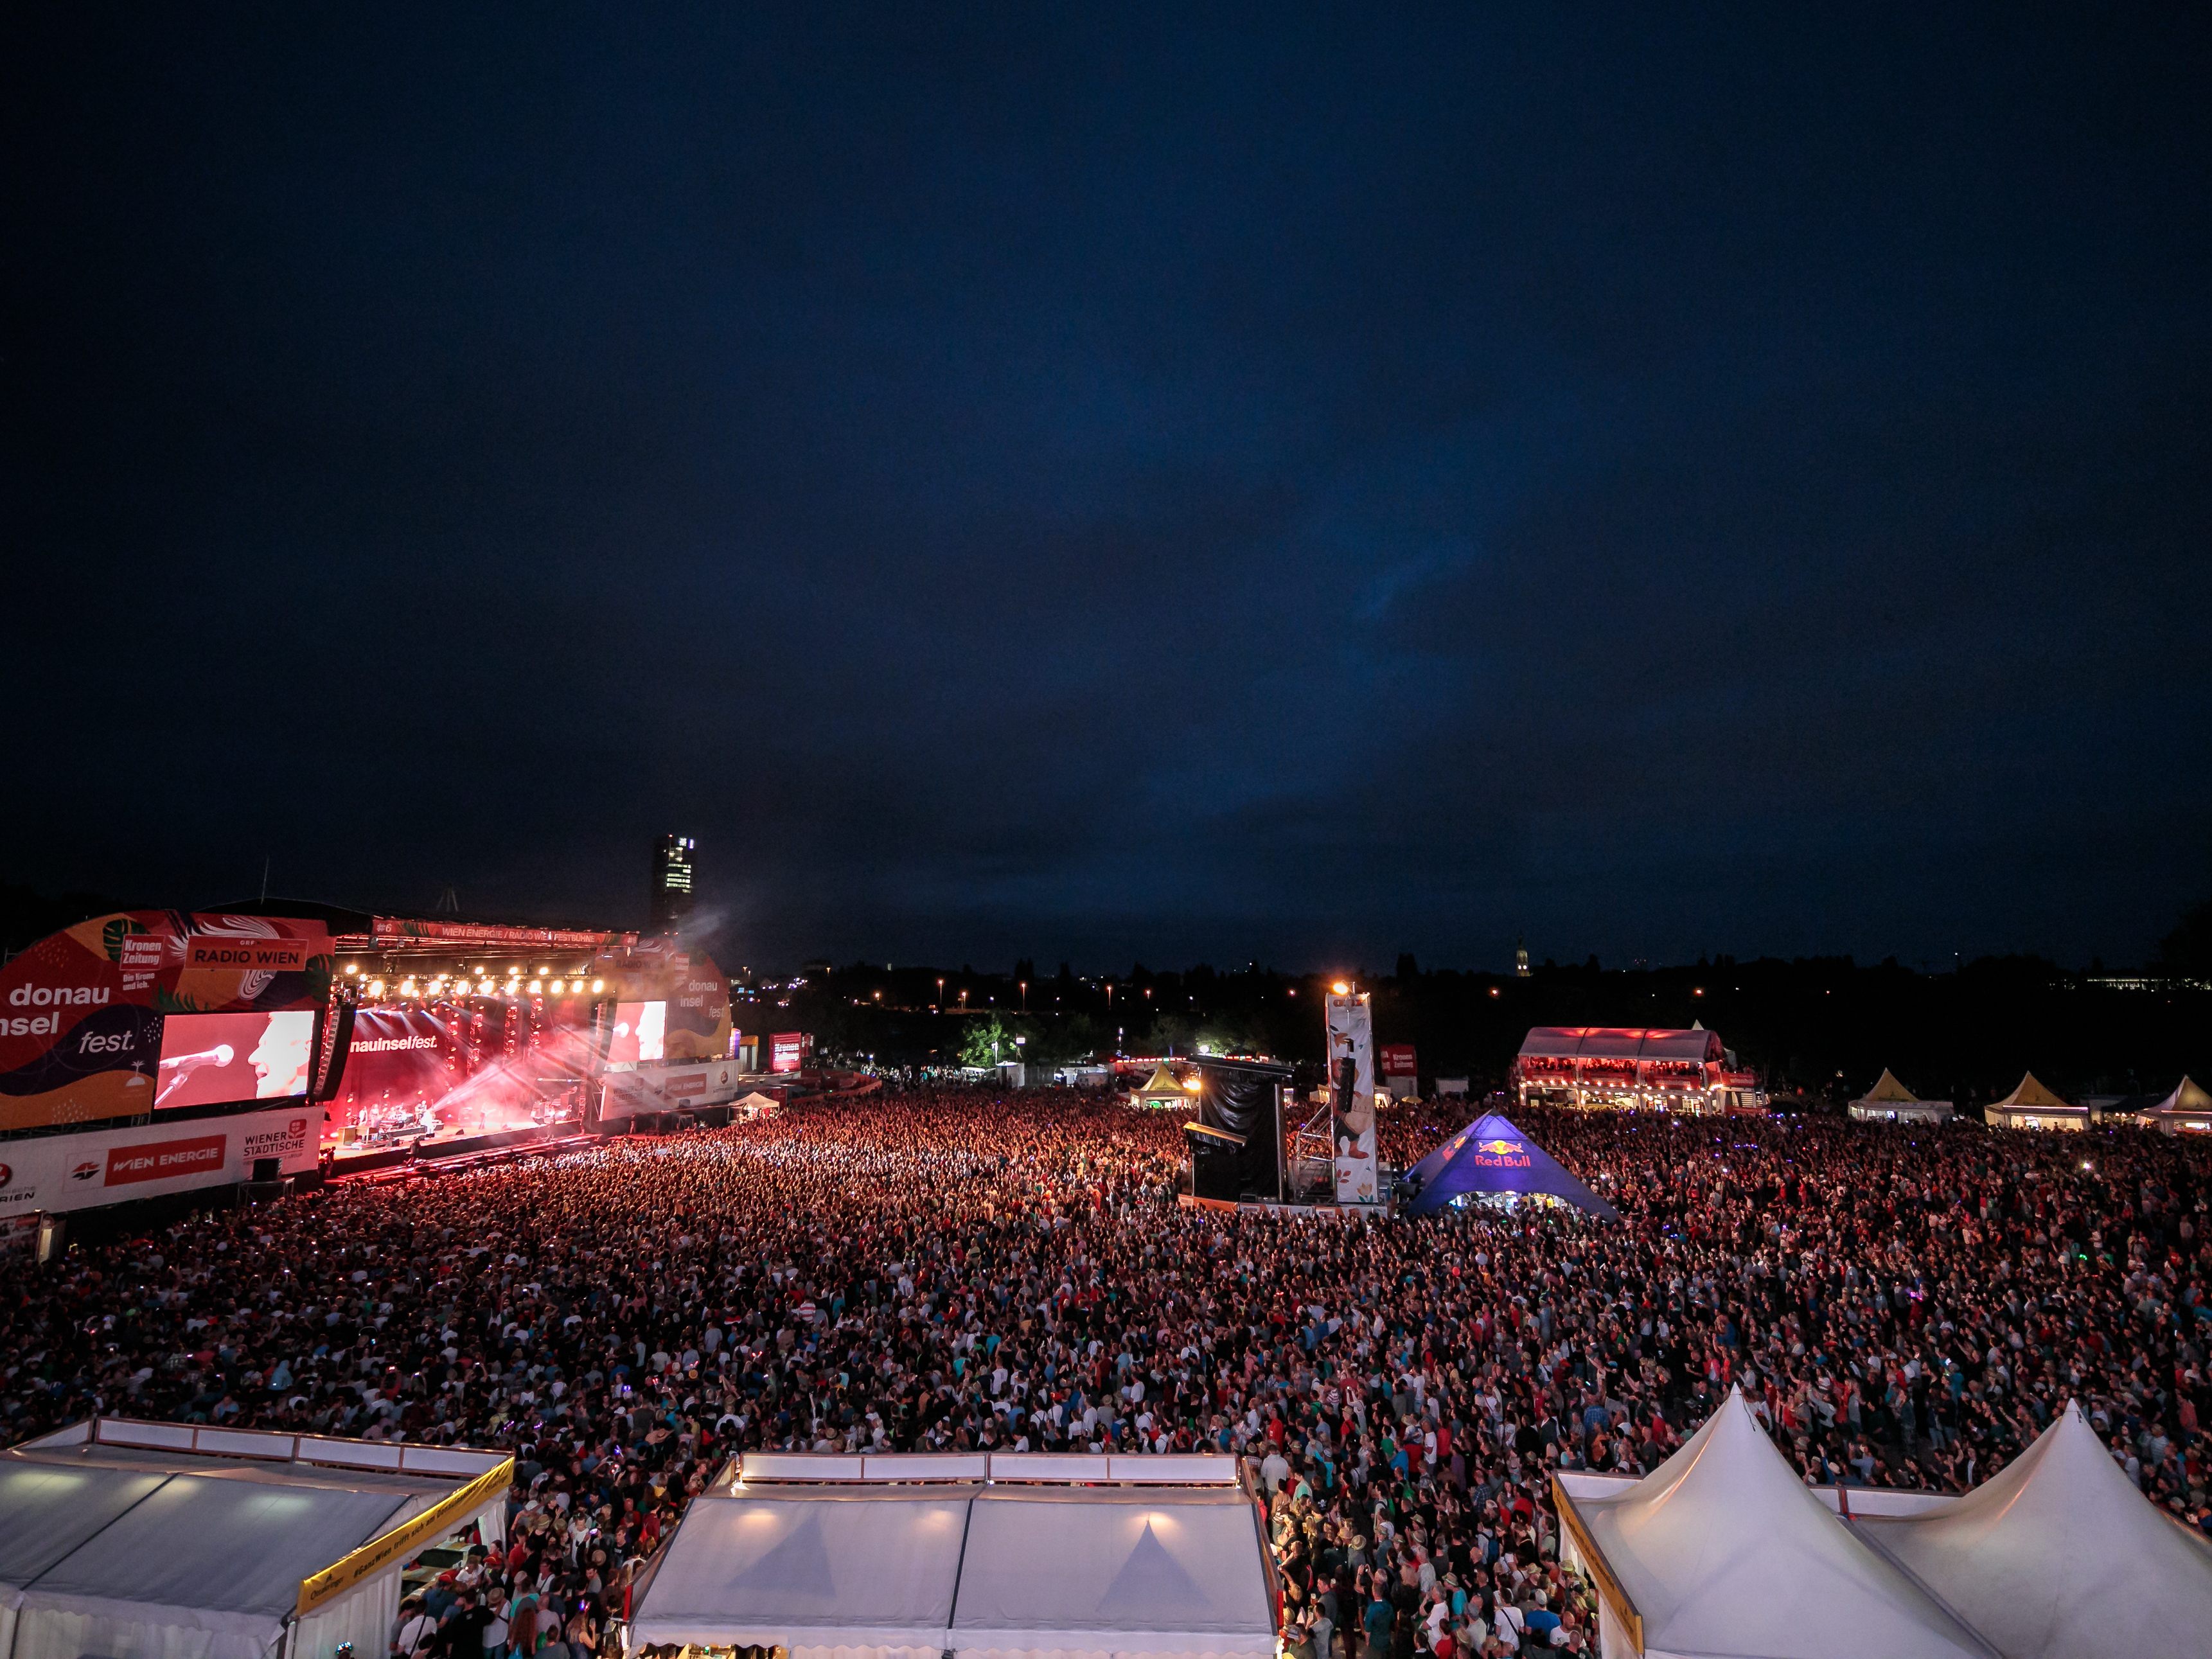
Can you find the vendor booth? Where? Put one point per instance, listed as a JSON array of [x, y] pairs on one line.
[[1493, 1155], [1891, 1102], [127, 1539], [1161, 1092], [2031, 1106], [2187, 1110]]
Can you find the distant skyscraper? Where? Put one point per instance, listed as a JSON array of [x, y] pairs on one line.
[[671, 883]]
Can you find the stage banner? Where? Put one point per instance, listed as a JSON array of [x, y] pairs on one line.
[[1350, 1025], [96, 1021], [97, 1167]]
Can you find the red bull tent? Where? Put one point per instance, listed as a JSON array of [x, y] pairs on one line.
[[1492, 1155]]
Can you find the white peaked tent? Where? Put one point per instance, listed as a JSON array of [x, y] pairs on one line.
[[1891, 1100], [1722, 1549], [2057, 1556], [1126, 1573], [868, 1575], [2189, 1107], [2031, 1106]]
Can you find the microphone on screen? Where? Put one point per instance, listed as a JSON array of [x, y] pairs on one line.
[[184, 1065]]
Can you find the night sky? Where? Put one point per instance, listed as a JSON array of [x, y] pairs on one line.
[[1123, 485]]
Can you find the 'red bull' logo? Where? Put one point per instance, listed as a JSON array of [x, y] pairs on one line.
[[1501, 1148]]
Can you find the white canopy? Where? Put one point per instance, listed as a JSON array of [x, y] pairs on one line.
[[173, 1542], [1723, 1550], [189, 1566], [907, 1572], [814, 1570], [2189, 1099], [1076, 1572], [2057, 1556]]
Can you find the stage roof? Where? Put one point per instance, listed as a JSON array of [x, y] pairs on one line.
[[1620, 1042]]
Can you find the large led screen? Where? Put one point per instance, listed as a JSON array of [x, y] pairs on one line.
[[640, 1033], [212, 1060]]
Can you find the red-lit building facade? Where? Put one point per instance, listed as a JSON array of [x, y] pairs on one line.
[[1632, 1068]]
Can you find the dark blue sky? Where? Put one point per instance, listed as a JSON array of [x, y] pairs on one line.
[[1275, 485]]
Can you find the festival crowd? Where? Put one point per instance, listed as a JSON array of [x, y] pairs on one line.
[[948, 1268]]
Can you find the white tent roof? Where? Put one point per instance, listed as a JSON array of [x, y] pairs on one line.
[[218, 1556], [119, 1537], [1163, 1571], [1723, 1550], [216, 1546], [1888, 1091], [824, 1569], [45, 1513], [2188, 1096], [2058, 1555], [1131, 1572], [2030, 1096]]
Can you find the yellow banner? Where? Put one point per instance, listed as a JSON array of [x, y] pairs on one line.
[[405, 1539]]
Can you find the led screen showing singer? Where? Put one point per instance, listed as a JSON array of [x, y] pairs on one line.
[[211, 1060]]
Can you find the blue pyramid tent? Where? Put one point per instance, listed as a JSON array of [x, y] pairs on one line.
[[1493, 1156]]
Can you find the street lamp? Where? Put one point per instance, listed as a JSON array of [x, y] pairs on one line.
[[941, 996], [1025, 996]]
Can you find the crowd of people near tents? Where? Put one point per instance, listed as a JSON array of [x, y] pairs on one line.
[[952, 1268]]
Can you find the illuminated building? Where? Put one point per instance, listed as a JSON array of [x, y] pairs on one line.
[[670, 898], [1632, 1068]]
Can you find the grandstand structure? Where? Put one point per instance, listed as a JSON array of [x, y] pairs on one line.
[[1633, 1068]]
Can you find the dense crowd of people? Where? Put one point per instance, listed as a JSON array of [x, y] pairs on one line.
[[944, 1268]]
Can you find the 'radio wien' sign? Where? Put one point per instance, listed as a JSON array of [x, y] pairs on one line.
[[259, 956]]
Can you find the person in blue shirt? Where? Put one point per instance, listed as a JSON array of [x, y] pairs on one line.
[[1540, 1622], [1379, 1615]]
